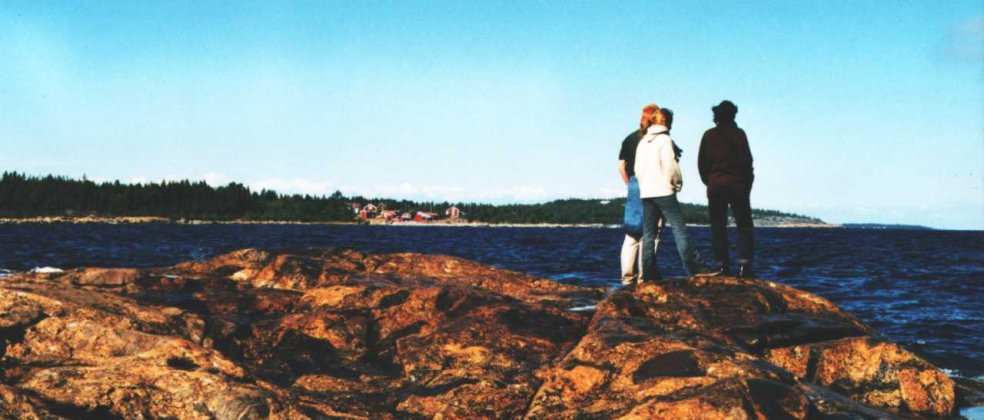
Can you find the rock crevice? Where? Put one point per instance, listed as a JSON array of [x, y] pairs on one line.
[[334, 333]]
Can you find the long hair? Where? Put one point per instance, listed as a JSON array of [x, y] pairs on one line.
[[651, 115]]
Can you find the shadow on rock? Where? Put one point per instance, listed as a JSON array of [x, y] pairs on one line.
[[334, 333]]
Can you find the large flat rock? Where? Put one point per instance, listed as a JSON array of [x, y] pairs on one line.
[[339, 334]]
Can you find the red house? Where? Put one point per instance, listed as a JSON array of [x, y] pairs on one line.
[[453, 212], [422, 216], [390, 215], [367, 212]]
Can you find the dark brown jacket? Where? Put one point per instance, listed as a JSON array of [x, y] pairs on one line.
[[724, 158]]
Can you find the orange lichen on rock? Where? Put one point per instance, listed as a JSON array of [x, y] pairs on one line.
[[872, 371], [337, 333]]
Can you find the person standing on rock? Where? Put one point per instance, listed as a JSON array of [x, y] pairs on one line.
[[658, 173], [725, 165], [630, 256]]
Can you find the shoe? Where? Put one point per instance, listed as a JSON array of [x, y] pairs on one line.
[[712, 272], [745, 272], [622, 287]]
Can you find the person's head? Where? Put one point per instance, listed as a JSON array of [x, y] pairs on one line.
[[724, 112], [651, 115], [668, 118]]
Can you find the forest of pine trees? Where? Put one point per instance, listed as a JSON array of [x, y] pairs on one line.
[[24, 196]]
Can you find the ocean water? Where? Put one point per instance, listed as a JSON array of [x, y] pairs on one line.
[[922, 289]]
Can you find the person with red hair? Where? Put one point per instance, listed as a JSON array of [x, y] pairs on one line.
[[632, 222], [659, 176]]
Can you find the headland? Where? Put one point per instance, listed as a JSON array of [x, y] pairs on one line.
[[335, 333]]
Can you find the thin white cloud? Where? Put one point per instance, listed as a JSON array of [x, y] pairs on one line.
[[294, 186], [611, 192], [523, 193], [456, 193], [403, 189], [437, 191], [176, 178], [216, 179]]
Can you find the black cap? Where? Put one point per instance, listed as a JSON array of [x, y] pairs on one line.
[[725, 107]]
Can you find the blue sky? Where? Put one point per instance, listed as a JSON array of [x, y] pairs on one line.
[[856, 111]]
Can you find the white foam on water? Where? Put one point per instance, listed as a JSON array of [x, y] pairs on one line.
[[46, 270], [585, 308]]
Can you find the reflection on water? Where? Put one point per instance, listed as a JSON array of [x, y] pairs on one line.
[[973, 413]]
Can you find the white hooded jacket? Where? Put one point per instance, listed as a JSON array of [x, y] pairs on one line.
[[656, 166]]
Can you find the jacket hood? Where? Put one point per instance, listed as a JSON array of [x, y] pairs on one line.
[[655, 130]]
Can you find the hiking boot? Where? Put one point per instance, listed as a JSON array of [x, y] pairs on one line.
[[745, 272]]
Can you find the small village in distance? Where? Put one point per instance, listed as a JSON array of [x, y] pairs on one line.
[[373, 214]]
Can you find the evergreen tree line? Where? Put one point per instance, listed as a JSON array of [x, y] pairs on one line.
[[24, 196], [30, 196]]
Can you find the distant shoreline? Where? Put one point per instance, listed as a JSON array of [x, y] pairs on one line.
[[126, 220]]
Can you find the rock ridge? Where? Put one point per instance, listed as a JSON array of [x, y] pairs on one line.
[[335, 333]]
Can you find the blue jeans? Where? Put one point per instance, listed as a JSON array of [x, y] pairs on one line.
[[670, 209]]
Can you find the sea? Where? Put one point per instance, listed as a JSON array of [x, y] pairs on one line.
[[921, 288]]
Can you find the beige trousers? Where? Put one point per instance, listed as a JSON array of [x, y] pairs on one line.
[[631, 261]]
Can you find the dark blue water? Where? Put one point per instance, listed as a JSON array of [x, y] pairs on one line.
[[923, 289]]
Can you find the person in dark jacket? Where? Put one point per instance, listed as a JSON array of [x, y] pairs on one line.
[[725, 165]]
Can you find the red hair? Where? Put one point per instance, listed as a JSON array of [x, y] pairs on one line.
[[651, 115]]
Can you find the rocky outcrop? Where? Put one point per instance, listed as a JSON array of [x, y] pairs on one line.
[[340, 334], [728, 348]]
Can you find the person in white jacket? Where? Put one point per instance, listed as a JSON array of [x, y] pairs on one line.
[[632, 223], [658, 173]]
